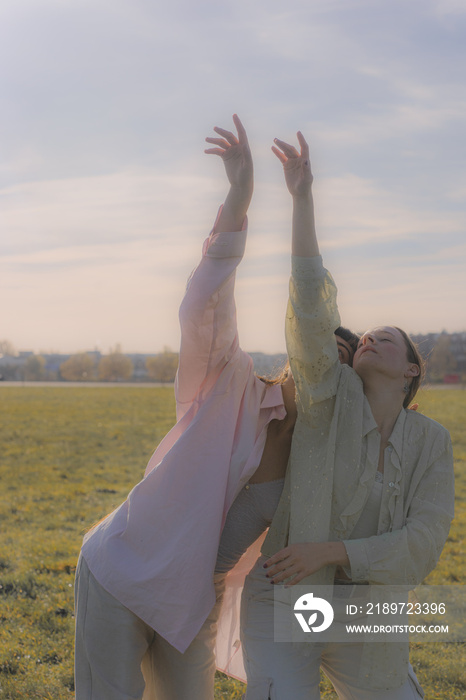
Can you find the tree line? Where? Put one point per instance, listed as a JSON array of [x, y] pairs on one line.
[[445, 356], [85, 367]]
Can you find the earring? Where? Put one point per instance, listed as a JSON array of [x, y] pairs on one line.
[[406, 387]]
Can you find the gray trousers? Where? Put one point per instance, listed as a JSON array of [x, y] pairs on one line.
[[278, 671], [119, 657]]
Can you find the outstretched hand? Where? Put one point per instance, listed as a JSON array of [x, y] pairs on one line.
[[236, 155], [296, 166]]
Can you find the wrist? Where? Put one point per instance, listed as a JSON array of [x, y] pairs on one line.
[[337, 554], [239, 198], [303, 197], [243, 190]]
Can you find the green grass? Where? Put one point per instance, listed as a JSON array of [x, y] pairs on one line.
[[70, 455]]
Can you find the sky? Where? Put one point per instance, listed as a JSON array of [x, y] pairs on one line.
[[106, 194]]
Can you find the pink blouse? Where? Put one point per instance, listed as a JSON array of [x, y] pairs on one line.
[[156, 552]]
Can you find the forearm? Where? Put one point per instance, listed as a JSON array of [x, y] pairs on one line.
[[234, 209], [304, 238]]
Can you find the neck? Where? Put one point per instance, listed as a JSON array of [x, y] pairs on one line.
[[386, 405]]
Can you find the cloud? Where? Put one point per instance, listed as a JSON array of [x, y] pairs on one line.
[[109, 209], [106, 258], [449, 7], [105, 196]]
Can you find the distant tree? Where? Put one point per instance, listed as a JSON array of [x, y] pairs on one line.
[[115, 367], [34, 368], [162, 367], [7, 348], [78, 368], [441, 360]]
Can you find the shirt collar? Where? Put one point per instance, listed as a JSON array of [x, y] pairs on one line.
[[368, 420], [396, 438]]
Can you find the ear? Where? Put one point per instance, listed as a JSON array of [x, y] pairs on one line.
[[413, 371]]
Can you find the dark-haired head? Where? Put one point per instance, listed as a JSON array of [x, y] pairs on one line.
[[347, 342]]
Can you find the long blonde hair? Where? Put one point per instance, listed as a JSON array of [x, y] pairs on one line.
[[279, 378]]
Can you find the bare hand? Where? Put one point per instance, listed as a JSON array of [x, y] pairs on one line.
[[297, 166], [235, 153], [302, 559]]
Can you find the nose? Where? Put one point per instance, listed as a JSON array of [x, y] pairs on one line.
[[368, 338]]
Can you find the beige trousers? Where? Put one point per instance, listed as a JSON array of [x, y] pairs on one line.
[[278, 671], [119, 657]]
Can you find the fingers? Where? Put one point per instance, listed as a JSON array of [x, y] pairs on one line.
[[277, 557], [242, 136], [283, 159], [215, 152], [304, 147], [285, 574], [289, 150], [228, 140], [219, 142], [281, 565], [286, 151], [228, 135]]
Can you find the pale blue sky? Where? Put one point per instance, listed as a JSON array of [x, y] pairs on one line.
[[106, 195]]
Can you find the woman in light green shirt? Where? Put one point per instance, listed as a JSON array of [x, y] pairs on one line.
[[368, 494]]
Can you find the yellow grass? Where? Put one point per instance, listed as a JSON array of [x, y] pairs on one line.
[[68, 456]]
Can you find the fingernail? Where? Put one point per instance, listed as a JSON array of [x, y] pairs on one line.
[[264, 566]]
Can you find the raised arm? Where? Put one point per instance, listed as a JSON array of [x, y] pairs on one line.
[[237, 159], [312, 314], [298, 177], [207, 314]]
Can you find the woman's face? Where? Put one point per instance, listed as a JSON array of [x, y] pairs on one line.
[[383, 349]]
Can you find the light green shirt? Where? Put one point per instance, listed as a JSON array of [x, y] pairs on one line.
[[334, 459]]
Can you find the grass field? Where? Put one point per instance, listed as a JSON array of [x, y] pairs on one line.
[[68, 456]]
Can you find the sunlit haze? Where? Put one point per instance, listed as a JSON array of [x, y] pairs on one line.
[[106, 194]]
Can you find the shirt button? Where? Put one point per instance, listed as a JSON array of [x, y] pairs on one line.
[[391, 484], [247, 486]]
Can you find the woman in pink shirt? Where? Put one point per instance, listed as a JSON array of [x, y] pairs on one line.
[[151, 575]]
